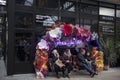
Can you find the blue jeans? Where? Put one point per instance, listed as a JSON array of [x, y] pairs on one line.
[[87, 67]]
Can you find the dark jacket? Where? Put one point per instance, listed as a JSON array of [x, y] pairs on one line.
[[65, 58], [54, 59], [80, 59]]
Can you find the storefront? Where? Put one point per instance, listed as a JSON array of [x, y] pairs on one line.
[[3, 16], [28, 20]]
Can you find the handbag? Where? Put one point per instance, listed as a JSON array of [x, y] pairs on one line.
[[59, 63]]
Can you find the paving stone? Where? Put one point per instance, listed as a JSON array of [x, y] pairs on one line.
[[111, 74]]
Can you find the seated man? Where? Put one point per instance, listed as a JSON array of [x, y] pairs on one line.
[[91, 61], [58, 65], [82, 62]]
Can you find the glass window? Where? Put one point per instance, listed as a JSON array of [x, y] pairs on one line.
[[106, 27], [47, 3], [23, 46], [88, 9], [68, 20], [3, 9], [118, 13], [24, 2], [87, 21], [1, 19], [68, 6], [94, 26], [106, 11], [2, 2], [45, 20], [118, 26], [89, 16], [23, 20], [118, 6]]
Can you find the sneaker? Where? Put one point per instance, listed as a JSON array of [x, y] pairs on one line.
[[67, 76], [96, 73], [64, 76], [92, 75]]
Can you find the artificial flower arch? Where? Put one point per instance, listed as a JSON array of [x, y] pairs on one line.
[[64, 34]]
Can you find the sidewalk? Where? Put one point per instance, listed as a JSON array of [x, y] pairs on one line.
[[111, 74]]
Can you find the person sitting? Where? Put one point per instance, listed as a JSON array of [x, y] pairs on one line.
[[91, 61], [82, 62], [57, 63], [67, 60]]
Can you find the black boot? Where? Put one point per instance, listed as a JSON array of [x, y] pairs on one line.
[[67, 76], [57, 75], [63, 74], [92, 75]]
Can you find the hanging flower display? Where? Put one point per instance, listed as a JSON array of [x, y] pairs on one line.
[[55, 33], [85, 33], [67, 30], [78, 30], [62, 34], [42, 45]]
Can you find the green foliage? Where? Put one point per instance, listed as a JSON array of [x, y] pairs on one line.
[[109, 49]]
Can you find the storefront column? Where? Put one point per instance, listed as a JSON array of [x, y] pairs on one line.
[[10, 44]]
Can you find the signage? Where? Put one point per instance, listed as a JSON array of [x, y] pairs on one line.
[[2, 2], [46, 20], [106, 18]]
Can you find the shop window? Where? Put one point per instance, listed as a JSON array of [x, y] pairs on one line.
[[23, 20], [24, 2], [22, 47], [106, 11], [94, 26], [47, 3], [89, 16], [118, 27], [68, 6], [106, 27], [68, 20], [81, 21], [45, 20], [1, 20], [3, 9], [88, 9], [118, 6], [118, 13], [2, 2], [87, 21]]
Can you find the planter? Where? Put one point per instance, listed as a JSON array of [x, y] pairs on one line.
[[106, 67]]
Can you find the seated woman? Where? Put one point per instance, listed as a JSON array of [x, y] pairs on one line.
[[67, 60], [82, 62], [40, 63], [58, 65]]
